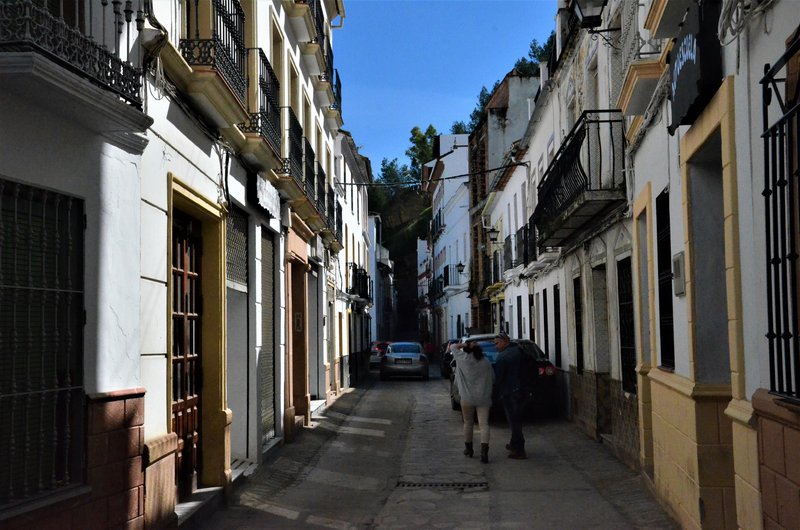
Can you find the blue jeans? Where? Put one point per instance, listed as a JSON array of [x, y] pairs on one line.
[[512, 406]]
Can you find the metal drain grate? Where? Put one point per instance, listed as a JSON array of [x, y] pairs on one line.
[[442, 485]]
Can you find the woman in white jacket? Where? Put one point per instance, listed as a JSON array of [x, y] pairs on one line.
[[474, 376]]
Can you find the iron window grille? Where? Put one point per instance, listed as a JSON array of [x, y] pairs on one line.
[[59, 31], [781, 121], [236, 252], [224, 51], [626, 325], [266, 120], [327, 73], [664, 264], [42, 400], [532, 253], [331, 219], [577, 294], [339, 222]]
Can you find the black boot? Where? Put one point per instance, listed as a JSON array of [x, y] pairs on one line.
[[485, 453], [468, 449]]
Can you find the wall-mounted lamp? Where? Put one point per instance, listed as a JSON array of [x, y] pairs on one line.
[[460, 268], [493, 234], [589, 12]]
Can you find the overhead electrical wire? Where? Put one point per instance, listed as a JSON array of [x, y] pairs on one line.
[[415, 183]]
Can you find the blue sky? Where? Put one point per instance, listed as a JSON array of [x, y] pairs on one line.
[[418, 62]]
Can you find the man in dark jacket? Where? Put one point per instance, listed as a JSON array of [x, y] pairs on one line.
[[508, 368]]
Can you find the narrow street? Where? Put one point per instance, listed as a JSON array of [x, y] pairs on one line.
[[389, 455]]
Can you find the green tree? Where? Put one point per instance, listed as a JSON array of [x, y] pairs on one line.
[[421, 150], [459, 127], [477, 114], [538, 53]]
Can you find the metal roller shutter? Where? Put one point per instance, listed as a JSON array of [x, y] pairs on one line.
[[266, 359]]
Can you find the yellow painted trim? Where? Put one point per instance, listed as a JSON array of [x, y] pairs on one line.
[[654, 15], [643, 205], [718, 116], [633, 128], [686, 387], [215, 416]]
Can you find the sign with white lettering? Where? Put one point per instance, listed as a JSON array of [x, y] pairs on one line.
[[695, 63], [265, 195]]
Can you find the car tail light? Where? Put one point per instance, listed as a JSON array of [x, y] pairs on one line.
[[548, 370]]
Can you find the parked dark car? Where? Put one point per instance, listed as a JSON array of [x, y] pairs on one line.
[[542, 390], [445, 358], [377, 350], [404, 358]]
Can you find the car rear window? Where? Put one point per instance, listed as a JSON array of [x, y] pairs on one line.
[[489, 349], [406, 348]]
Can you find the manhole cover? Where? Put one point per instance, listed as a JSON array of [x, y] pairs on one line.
[[442, 485]]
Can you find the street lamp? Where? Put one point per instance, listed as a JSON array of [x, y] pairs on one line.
[[589, 12], [493, 233], [460, 268]]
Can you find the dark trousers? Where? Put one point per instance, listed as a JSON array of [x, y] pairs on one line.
[[513, 409]]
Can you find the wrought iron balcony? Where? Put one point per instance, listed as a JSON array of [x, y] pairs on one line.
[[319, 20], [322, 180], [293, 162], [339, 222], [93, 51], [337, 92], [331, 218], [640, 65], [309, 163], [585, 180], [508, 253], [266, 119], [520, 246], [220, 46], [327, 73], [437, 225], [359, 282], [531, 250]]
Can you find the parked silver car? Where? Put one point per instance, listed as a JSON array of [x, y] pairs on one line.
[[404, 358]]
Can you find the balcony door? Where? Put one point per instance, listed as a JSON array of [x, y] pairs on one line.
[[186, 351]]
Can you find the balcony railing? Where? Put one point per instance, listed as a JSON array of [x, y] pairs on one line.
[[92, 52], [781, 121], [223, 48], [437, 225], [337, 92], [339, 222], [319, 20], [327, 73], [331, 218], [309, 159], [508, 253], [293, 163], [359, 282], [585, 179], [322, 180], [530, 242], [266, 120], [520, 246]]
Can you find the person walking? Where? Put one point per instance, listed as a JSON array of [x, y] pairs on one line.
[[508, 368], [474, 377]]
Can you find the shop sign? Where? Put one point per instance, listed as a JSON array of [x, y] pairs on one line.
[[695, 63], [265, 195]]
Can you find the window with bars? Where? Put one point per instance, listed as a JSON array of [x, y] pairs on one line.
[[236, 255], [664, 261], [42, 403], [781, 192], [627, 338], [578, 295]]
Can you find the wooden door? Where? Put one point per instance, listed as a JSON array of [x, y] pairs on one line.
[[186, 358]]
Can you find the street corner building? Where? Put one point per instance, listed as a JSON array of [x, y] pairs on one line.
[[184, 260]]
